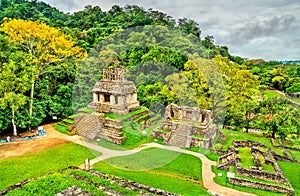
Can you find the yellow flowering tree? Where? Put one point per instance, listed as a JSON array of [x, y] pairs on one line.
[[47, 47]]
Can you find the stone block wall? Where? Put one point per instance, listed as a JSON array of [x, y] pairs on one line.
[[198, 142], [111, 130], [262, 186], [159, 134], [276, 177]]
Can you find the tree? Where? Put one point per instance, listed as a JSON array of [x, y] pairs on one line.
[[181, 86], [189, 26], [14, 82], [46, 46], [279, 117], [242, 89]]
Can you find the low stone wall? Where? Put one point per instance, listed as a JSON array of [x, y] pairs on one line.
[[247, 143], [262, 186], [285, 158], [169, 125], [291, 148], [227, 157], [159, 134], [282, 146], [276, 177], [197, 142], [223, 152], [111, 131], [15, 186]]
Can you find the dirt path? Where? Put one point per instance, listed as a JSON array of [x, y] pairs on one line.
[[207, 174], [26, 147]]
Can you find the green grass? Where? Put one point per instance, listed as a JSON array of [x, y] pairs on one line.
[[85, 110], [16, 169], [247, 159], [296, 155], [221, 180], [62, 129], [167, 177], [135, 137], [266, 167], [237, 135], [294, 100], [207, 152], [292, 173], [272, 94], [144, 160], [51, 185], [132, 141], [124, 117], [68, 121], [278, 151], [107, 144]]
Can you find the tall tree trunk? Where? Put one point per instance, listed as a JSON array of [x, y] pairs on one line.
[[274, 130], [31, 98], [13, 121]]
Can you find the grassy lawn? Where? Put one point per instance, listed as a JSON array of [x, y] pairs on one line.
[[292, 172], [296, 154], [247, 159], [146, 159], [134, 135], [172, 172], [107, 144], [272, 94], [207, 152], [222, 181], [62, 129], [16, 169]]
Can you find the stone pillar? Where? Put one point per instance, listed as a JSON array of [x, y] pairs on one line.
[[134, 97], [121, 99], [101, 98], [95, 97], [112, 100], [127, 99]]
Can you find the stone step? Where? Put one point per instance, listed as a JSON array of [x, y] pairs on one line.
[[181, 136], [88, 126]]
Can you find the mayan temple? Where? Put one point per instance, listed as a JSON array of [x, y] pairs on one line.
[[113, 94]]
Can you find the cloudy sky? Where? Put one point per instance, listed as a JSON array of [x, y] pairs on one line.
[[268, 29]]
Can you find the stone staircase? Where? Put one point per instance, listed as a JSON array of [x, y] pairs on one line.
[[87, 126], [181, 136]]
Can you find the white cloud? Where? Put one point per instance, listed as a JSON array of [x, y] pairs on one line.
[[232, 23]]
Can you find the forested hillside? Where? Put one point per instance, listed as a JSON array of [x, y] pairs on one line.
[[45, 54]]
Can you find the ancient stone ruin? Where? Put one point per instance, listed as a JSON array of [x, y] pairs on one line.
[[232, 158], [114, 93], [111, 94], [187, 127]]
